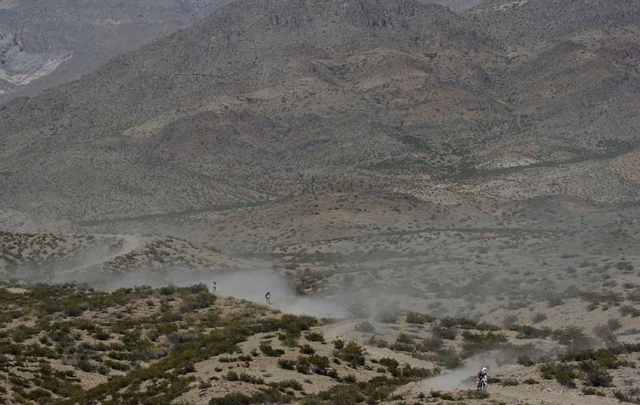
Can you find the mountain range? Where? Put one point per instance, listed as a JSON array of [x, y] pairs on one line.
[[44, 43], [262, 101]]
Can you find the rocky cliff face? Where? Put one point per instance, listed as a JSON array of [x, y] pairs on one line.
[[47, 43], [19, 67]]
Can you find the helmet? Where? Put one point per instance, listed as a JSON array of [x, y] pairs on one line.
[[484, 369]]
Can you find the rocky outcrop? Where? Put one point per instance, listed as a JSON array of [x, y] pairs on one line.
[[19, 67], [44, 44]]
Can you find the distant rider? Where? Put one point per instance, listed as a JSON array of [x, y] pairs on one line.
[[483, 378], [267, 297], [214, 286]]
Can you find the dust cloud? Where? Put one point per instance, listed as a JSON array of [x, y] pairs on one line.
[[463, 377], [253, 285], [250, 285], [93, 257]]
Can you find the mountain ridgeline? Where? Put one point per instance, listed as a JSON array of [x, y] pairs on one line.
[[43, 44], [262, 100]]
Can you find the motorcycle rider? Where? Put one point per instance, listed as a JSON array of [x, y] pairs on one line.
[[483, 377]]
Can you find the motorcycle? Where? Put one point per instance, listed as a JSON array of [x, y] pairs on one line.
[[483, 383]]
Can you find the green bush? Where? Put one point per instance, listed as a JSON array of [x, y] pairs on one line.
[[102, 335], [189, 368], [198, 301], [467, 323], [477, 394], [350, 379], [390, 364], [267, 350], [405, 339], [303, 365], [403, 347], [592, 391], [320, 364], [530, 332], [595, 375], [37, 395], [352, 353], [21, 333], [419, 319], [561, 372], [573, 337], [447, 396], [288, 340], [376, 390], [294, 325], [447, 333], [481, 342], [271, 395], [286, 364], [430, 344], [607, 358], [283, 385], [116, 365], [539, 317], [74, 311], [85, 365], [627, 310], [342, 394], [244, 377], [333, 373], [526, 361], [315, 337], [447, 357], [306, 349]]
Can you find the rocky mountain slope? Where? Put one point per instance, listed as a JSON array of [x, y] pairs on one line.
[[574, 75], [43, 44], [261, 101], [47, 43], [270, 96]]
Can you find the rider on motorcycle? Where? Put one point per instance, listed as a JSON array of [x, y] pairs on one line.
[[483, 377]]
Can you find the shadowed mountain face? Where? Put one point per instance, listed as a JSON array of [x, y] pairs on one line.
[[44, 43], [262, 100], [545, 20]]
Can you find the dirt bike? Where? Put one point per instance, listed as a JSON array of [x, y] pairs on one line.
[[483, 384]]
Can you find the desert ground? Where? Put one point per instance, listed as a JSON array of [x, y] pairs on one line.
[[423, 188]]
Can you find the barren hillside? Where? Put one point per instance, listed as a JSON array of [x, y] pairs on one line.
[[45, 43], [257, 103]]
